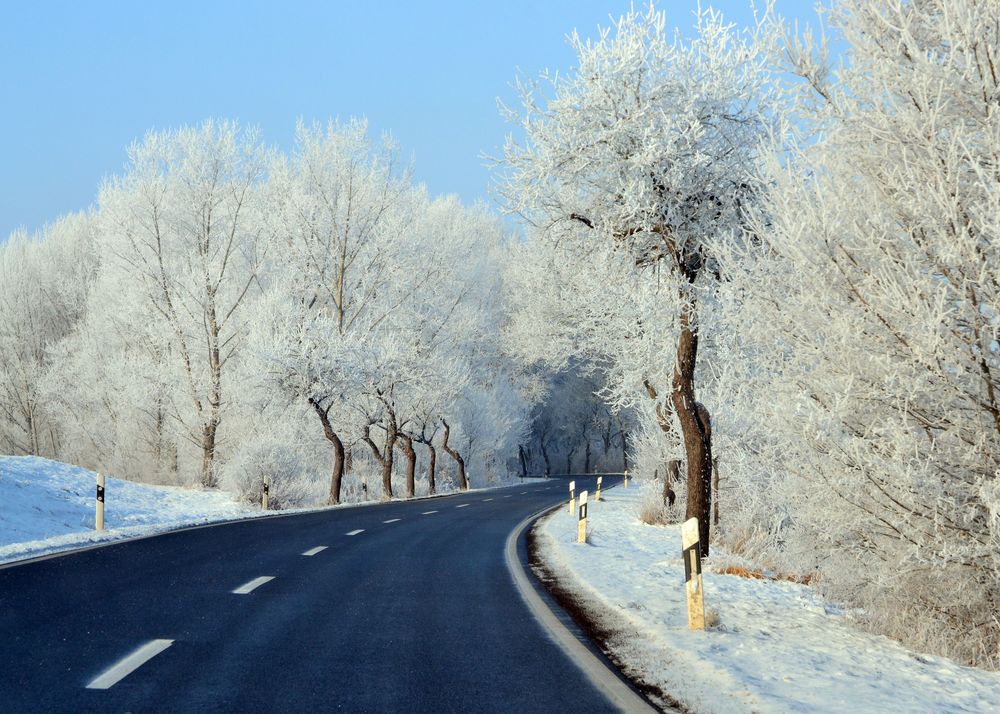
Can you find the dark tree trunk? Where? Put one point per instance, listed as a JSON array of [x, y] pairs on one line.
[[545, 457], [463, 482], [695, 427], [337, 476], [431, 468], [524, 461], [348, 461], [672, 476], [411, 465], [385, 455], [586, 463]]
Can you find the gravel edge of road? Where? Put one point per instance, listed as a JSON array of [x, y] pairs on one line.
[[603, 628], [608, 681]]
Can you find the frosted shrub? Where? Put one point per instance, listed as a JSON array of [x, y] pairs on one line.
[[292, 484], [868, 320]]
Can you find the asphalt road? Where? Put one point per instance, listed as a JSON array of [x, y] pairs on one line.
[[409, 608]]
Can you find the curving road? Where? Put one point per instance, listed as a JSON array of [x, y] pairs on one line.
[[398, 607]]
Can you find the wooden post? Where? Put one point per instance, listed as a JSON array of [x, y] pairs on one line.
[[99, 516], [581, 528], [597, 496], [691, 553], [572, 497], [265, 499]]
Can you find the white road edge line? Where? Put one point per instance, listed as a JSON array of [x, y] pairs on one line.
[[427, 513], [314, 551], [595, 670], [359, 530], [392, 520], [128, 664], [462, 506], [247, 588]]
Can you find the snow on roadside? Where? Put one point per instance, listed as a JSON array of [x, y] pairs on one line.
[[777, 648], [48, 506]]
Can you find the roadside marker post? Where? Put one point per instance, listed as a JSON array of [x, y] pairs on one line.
[[597, 496], [626, 478], [572, 497], [581, 528], [691, 553], [266, 498], [99, 516]]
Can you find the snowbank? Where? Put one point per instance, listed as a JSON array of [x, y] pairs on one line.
[[46, 506], [777, 648]]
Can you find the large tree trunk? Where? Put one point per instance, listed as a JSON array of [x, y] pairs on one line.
[[431, 468], [523, 460], [695, 426], [545, 457], [586, 463], [463, 482], [337, 476], [411, 465]]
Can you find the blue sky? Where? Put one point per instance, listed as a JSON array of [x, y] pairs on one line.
[[80, 81]]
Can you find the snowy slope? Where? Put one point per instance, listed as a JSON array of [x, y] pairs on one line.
[[48, 505], [777, 648]]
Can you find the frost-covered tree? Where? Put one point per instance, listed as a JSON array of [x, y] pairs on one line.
[[648, 147], [340, 210], [181, 242], [870, 313], [43, 286]]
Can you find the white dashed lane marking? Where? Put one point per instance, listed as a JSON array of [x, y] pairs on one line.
[[125, 666], [487, 499], [427, 513], [314, 551], [462, 506], [392, 520], [247, 588], [359, 530]]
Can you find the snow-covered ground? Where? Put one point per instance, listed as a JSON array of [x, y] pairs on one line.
[[776, 648], [47, 506]]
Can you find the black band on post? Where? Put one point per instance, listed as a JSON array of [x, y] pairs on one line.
[[100, 494], [693, 548]]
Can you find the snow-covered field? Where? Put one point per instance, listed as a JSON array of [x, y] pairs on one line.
[[48, 506], [777, 647]]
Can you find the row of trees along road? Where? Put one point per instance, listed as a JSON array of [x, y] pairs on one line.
[[733, 251]]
